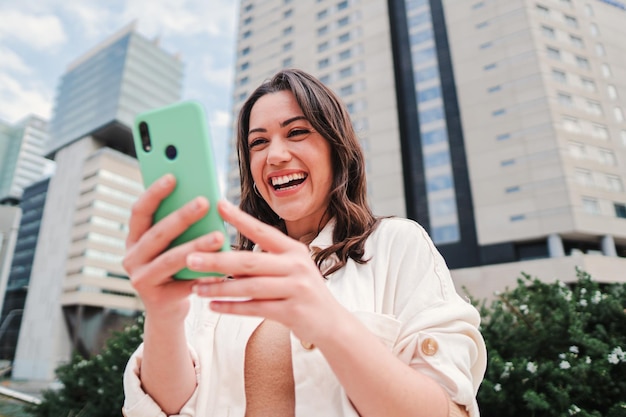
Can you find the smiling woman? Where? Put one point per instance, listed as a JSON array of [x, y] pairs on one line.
[[328, 309]]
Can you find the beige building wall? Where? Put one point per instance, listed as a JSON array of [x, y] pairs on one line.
[[541, 116], [347, 45]]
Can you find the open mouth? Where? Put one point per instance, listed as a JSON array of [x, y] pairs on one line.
[[287, 182]]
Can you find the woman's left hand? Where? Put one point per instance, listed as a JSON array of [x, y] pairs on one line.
[[281, 284]]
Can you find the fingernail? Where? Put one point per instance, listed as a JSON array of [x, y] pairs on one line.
[[198, 204], [166, 181], [194, 261]]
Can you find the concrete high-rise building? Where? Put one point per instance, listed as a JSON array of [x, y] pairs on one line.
[[78, 289], [22, 159], [499, 127]]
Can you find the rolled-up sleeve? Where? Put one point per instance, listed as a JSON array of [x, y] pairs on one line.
[[439, 334], [137, 403]]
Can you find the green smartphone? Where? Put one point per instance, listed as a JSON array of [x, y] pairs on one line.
[[175, 139]]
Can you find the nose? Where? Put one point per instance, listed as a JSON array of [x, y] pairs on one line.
[[278, 152]]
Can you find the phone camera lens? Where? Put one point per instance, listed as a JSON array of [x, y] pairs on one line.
[[171, 152]]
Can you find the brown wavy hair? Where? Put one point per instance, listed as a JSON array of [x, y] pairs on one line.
[[348, 196]]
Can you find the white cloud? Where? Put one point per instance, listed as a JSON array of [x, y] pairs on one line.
[[39, 32], [19, 101], [10, 61], [184, 17]]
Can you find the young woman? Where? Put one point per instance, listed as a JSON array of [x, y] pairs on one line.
[[328, 311]]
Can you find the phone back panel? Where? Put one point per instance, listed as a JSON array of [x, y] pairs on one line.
[[183, 126]]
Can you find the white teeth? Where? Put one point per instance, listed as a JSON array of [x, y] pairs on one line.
[[284, 179]]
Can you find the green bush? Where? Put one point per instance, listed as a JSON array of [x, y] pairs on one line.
[[92, 387], [555, 350]]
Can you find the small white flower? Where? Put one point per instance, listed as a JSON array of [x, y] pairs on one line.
[[508, 366], [583, 302], [524, 309], [573, 349], [613, 359], [587, 360], [531, 367], [573, 410], [562, 356], [100, 391], [617, 356], [596, 297], [497, 387], [583, 291], [564, 365]]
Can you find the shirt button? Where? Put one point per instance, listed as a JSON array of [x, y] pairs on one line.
[[430, 346], [307, 345]]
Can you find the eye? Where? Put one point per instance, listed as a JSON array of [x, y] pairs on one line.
[[298, 132], [255, 143]]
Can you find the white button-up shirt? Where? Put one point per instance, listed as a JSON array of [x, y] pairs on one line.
[[403, 294]]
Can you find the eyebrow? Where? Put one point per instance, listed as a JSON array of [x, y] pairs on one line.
[[283, 124]]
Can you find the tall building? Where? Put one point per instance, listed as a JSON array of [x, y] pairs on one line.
[[78, 289], [498, 126], [22, 159], [18, 275]]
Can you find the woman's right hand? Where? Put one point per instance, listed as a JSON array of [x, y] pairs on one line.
[[149, 262]]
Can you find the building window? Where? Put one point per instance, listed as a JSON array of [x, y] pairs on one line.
[[548, 32], [323, 63], [582, 62], [565, 99], [343, 55], [445, 234], [507, 162], [343, 21], [440, 182], [245, 51], [248, 7], [571, 124], [620, 210], [622, 135], [606, 70], [431, 115], [342, 5], [244, 80], [600, 51], [584, 177], [559, 76], [577, 41], [323, 30], [513, 189], [428, 94], [246, 34], [426, 74], [600, 132], [588, 10], [503, 136], [325, 79], [517, 217], [244, 66], [591, 206], [288, 30], [570, 21], [619, 114], [593, 28], [287, 62], [588, 84], [322, 14], [345, 72], [346, 90], [323, 46], [577, 150], [611, 91], [594, 107], [498, 112], [543, 10], [607, 157], [554, 53], [489, 67], [494, 89], [344, 37], [614, 183], [287, 46], [437, 136], [288, 13], [247, 20]]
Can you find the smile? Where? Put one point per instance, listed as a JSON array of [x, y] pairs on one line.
[[287, 182]]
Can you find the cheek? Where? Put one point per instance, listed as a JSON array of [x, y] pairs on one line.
[[256, 168]]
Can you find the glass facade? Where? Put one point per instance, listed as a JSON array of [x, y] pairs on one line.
[[440, 191], [32, 206], [111, 85]]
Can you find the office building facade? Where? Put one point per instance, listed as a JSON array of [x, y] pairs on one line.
[[18, 275], [22, 159], [78, 290], [464, 117]]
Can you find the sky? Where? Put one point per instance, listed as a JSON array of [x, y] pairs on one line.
[[40, 38]]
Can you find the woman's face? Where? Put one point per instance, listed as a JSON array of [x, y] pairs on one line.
[[290, 162]]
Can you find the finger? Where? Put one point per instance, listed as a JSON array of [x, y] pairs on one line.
[[144, 208], [171, 261], [271, 309], [240, 263], [156, 239], [257, 288], [266, 236]]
